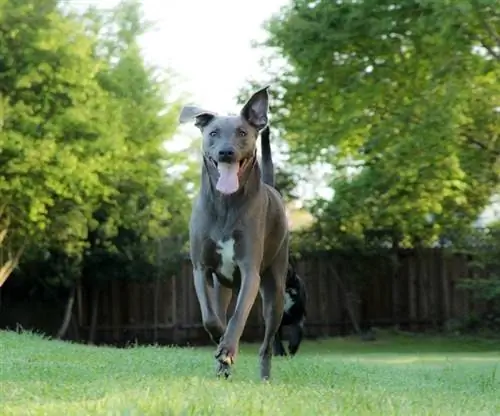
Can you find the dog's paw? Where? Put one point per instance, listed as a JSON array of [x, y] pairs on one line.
[[279, 352], [223, 370], [225, 359], [224, 355]]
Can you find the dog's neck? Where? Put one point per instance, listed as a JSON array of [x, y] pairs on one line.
[[250, 185]]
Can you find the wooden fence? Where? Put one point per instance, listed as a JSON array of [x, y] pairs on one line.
[[413, 290]]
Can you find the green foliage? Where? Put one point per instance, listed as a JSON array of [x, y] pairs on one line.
[[59, 137], [83, 122], [400, 99], [286, 182]]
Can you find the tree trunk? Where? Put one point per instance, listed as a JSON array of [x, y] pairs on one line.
[[93, 320], [75, 328], [155, 308], [67, 313], [396, 282], [157, 291]]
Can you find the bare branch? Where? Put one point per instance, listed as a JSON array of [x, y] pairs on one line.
[[481, 145], [350, 165], [490, 50]]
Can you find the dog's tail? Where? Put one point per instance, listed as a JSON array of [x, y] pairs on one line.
[[267, 159]]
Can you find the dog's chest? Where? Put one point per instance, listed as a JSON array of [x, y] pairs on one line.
[[225, 249], [220, 257], [290, 296]]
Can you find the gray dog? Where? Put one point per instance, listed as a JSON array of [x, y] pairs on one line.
[[238, 229]]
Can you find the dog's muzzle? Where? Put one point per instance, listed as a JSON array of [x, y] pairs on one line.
[[243, 163], [226, 156]]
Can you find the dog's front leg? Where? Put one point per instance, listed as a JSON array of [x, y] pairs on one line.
[[226, 353], [222, 298], [211, 321]]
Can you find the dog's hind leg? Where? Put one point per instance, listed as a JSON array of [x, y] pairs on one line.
[[211, 321], [296, 335], [278, 348]]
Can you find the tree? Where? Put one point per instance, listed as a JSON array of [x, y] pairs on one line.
[[84, 172], [150, 205], [59, 138], [400, 99]]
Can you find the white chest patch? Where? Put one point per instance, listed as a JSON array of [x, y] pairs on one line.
[[288, 301], [226, 251]]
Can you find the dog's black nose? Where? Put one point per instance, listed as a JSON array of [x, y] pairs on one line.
[[226, 155]]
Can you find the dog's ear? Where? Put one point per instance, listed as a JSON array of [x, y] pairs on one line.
[[256, 108], [200, 116]]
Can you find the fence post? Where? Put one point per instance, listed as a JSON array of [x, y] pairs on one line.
[[159, 247]]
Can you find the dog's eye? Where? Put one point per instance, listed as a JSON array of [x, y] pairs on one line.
[[242, 133], [213, 133]]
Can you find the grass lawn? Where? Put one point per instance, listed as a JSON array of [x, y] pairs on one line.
[[396, 375]]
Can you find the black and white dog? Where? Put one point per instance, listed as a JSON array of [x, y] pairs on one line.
[[294, 314]]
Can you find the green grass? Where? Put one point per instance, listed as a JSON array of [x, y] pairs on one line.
[[396, 375]]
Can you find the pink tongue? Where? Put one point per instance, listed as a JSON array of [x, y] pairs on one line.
[[228, 178]]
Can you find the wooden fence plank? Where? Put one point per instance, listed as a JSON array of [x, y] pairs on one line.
[[412, 292]]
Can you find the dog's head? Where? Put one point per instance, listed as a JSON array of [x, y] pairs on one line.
[[230, 141]]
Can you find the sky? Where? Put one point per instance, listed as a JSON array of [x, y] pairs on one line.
[[207, 43]]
